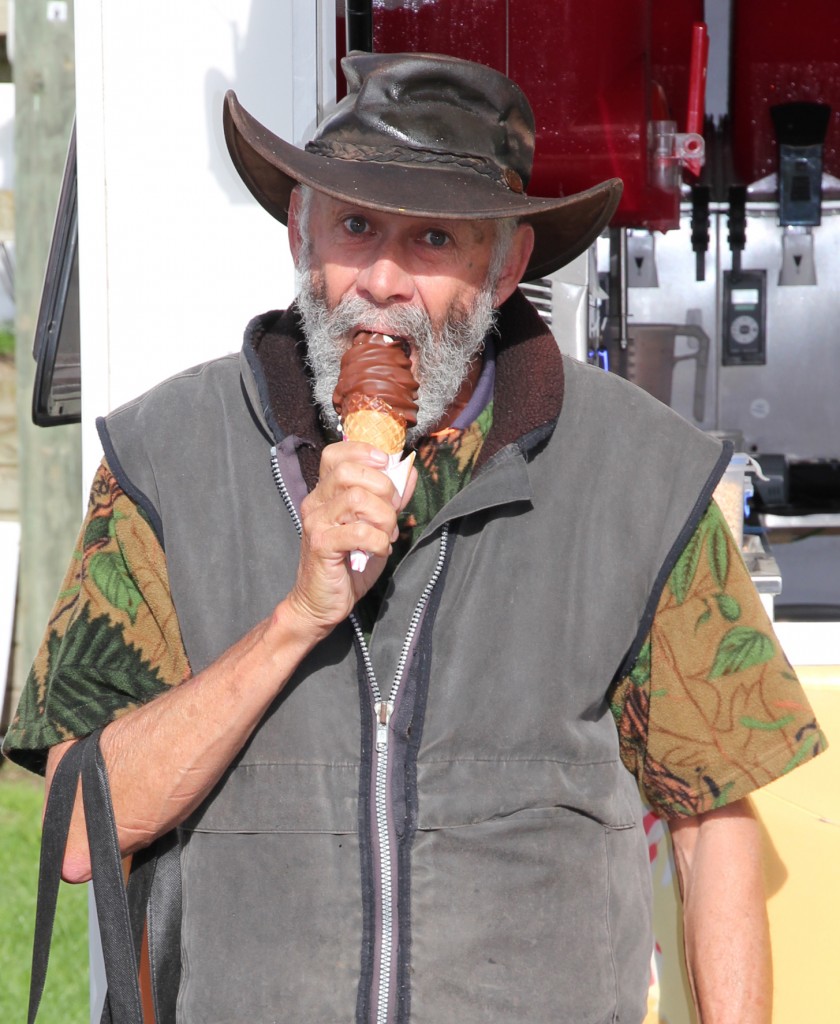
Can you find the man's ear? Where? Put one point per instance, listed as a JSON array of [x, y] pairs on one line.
[[295, 239], [519, 253]]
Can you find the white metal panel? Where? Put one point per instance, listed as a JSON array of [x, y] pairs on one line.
[[564, 300]]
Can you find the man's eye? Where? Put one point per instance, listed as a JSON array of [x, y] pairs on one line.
[[356, 225], [437, 239]]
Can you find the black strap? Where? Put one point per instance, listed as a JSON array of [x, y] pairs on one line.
[[163, 918], [120, 951], [154, 900], [53, 843]]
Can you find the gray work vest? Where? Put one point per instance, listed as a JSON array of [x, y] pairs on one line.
[[498, 815]]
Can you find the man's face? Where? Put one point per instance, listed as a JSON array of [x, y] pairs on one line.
[[422, 279]]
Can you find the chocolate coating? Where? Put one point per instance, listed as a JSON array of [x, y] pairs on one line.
[[378, 366]]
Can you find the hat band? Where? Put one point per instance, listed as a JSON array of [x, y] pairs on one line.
[[506, 177]]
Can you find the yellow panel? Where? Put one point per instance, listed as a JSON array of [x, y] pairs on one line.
[[800, 814], [800, 819]]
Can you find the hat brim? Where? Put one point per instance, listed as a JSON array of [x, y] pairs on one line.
[[270, 168]]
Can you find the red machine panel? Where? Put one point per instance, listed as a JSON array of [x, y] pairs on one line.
[[472, 29], [596, 71]]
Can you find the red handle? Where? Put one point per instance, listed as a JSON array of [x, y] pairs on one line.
[[697, 69]]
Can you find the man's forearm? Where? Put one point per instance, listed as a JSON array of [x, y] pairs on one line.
[[727, 940], [165, 757]]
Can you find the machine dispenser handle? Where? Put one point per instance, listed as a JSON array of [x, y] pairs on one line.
[[701, 365], [697, 69], [672, 150], [800, 131]]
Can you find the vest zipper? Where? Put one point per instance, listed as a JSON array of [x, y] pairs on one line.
[[382, 714]]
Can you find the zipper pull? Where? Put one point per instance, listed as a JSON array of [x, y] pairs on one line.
[[382, 709]]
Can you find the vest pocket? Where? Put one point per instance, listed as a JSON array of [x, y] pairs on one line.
[[511, 920], [271, 928], [472, 790]]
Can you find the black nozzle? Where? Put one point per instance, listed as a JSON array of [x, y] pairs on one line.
[[700, 227], [737, 223]]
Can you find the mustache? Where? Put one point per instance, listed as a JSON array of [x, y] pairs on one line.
[[404, 321]]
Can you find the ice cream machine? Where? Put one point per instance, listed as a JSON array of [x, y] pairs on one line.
[[717, 287], [731, 316]]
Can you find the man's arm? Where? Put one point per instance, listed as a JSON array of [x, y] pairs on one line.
[[727, 941], [164, 758]]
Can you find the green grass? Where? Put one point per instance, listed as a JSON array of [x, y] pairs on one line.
[[65, 998], [7, 341]]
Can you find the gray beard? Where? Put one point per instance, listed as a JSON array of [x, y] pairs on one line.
[[444, 354]]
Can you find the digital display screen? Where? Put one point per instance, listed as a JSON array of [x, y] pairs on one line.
[[745, 296]]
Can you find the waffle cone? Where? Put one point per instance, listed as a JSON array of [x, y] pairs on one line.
[[374, 421]]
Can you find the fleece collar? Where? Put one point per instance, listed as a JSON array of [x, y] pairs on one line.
[[527, 399]]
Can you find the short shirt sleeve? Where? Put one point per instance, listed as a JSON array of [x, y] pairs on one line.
[[112, 641], [712, 709]]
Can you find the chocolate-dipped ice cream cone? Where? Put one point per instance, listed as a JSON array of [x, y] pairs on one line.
[[376, 393]]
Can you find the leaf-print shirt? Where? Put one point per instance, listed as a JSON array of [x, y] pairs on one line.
[[710, 711]]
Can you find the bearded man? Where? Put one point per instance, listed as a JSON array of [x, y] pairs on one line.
[[399, 792]]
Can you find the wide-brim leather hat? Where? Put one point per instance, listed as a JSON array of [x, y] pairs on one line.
[[423, 135]]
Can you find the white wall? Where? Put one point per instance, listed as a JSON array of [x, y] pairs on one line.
[[175, 255]]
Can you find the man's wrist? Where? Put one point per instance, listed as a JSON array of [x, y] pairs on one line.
[[293, 627]]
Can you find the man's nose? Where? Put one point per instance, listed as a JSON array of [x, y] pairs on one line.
[[384, 279]]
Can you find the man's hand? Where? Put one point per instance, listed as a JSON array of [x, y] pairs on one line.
[[727, 942], [354, 507]]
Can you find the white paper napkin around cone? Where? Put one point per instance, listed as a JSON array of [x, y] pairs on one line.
[[397, 472]]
